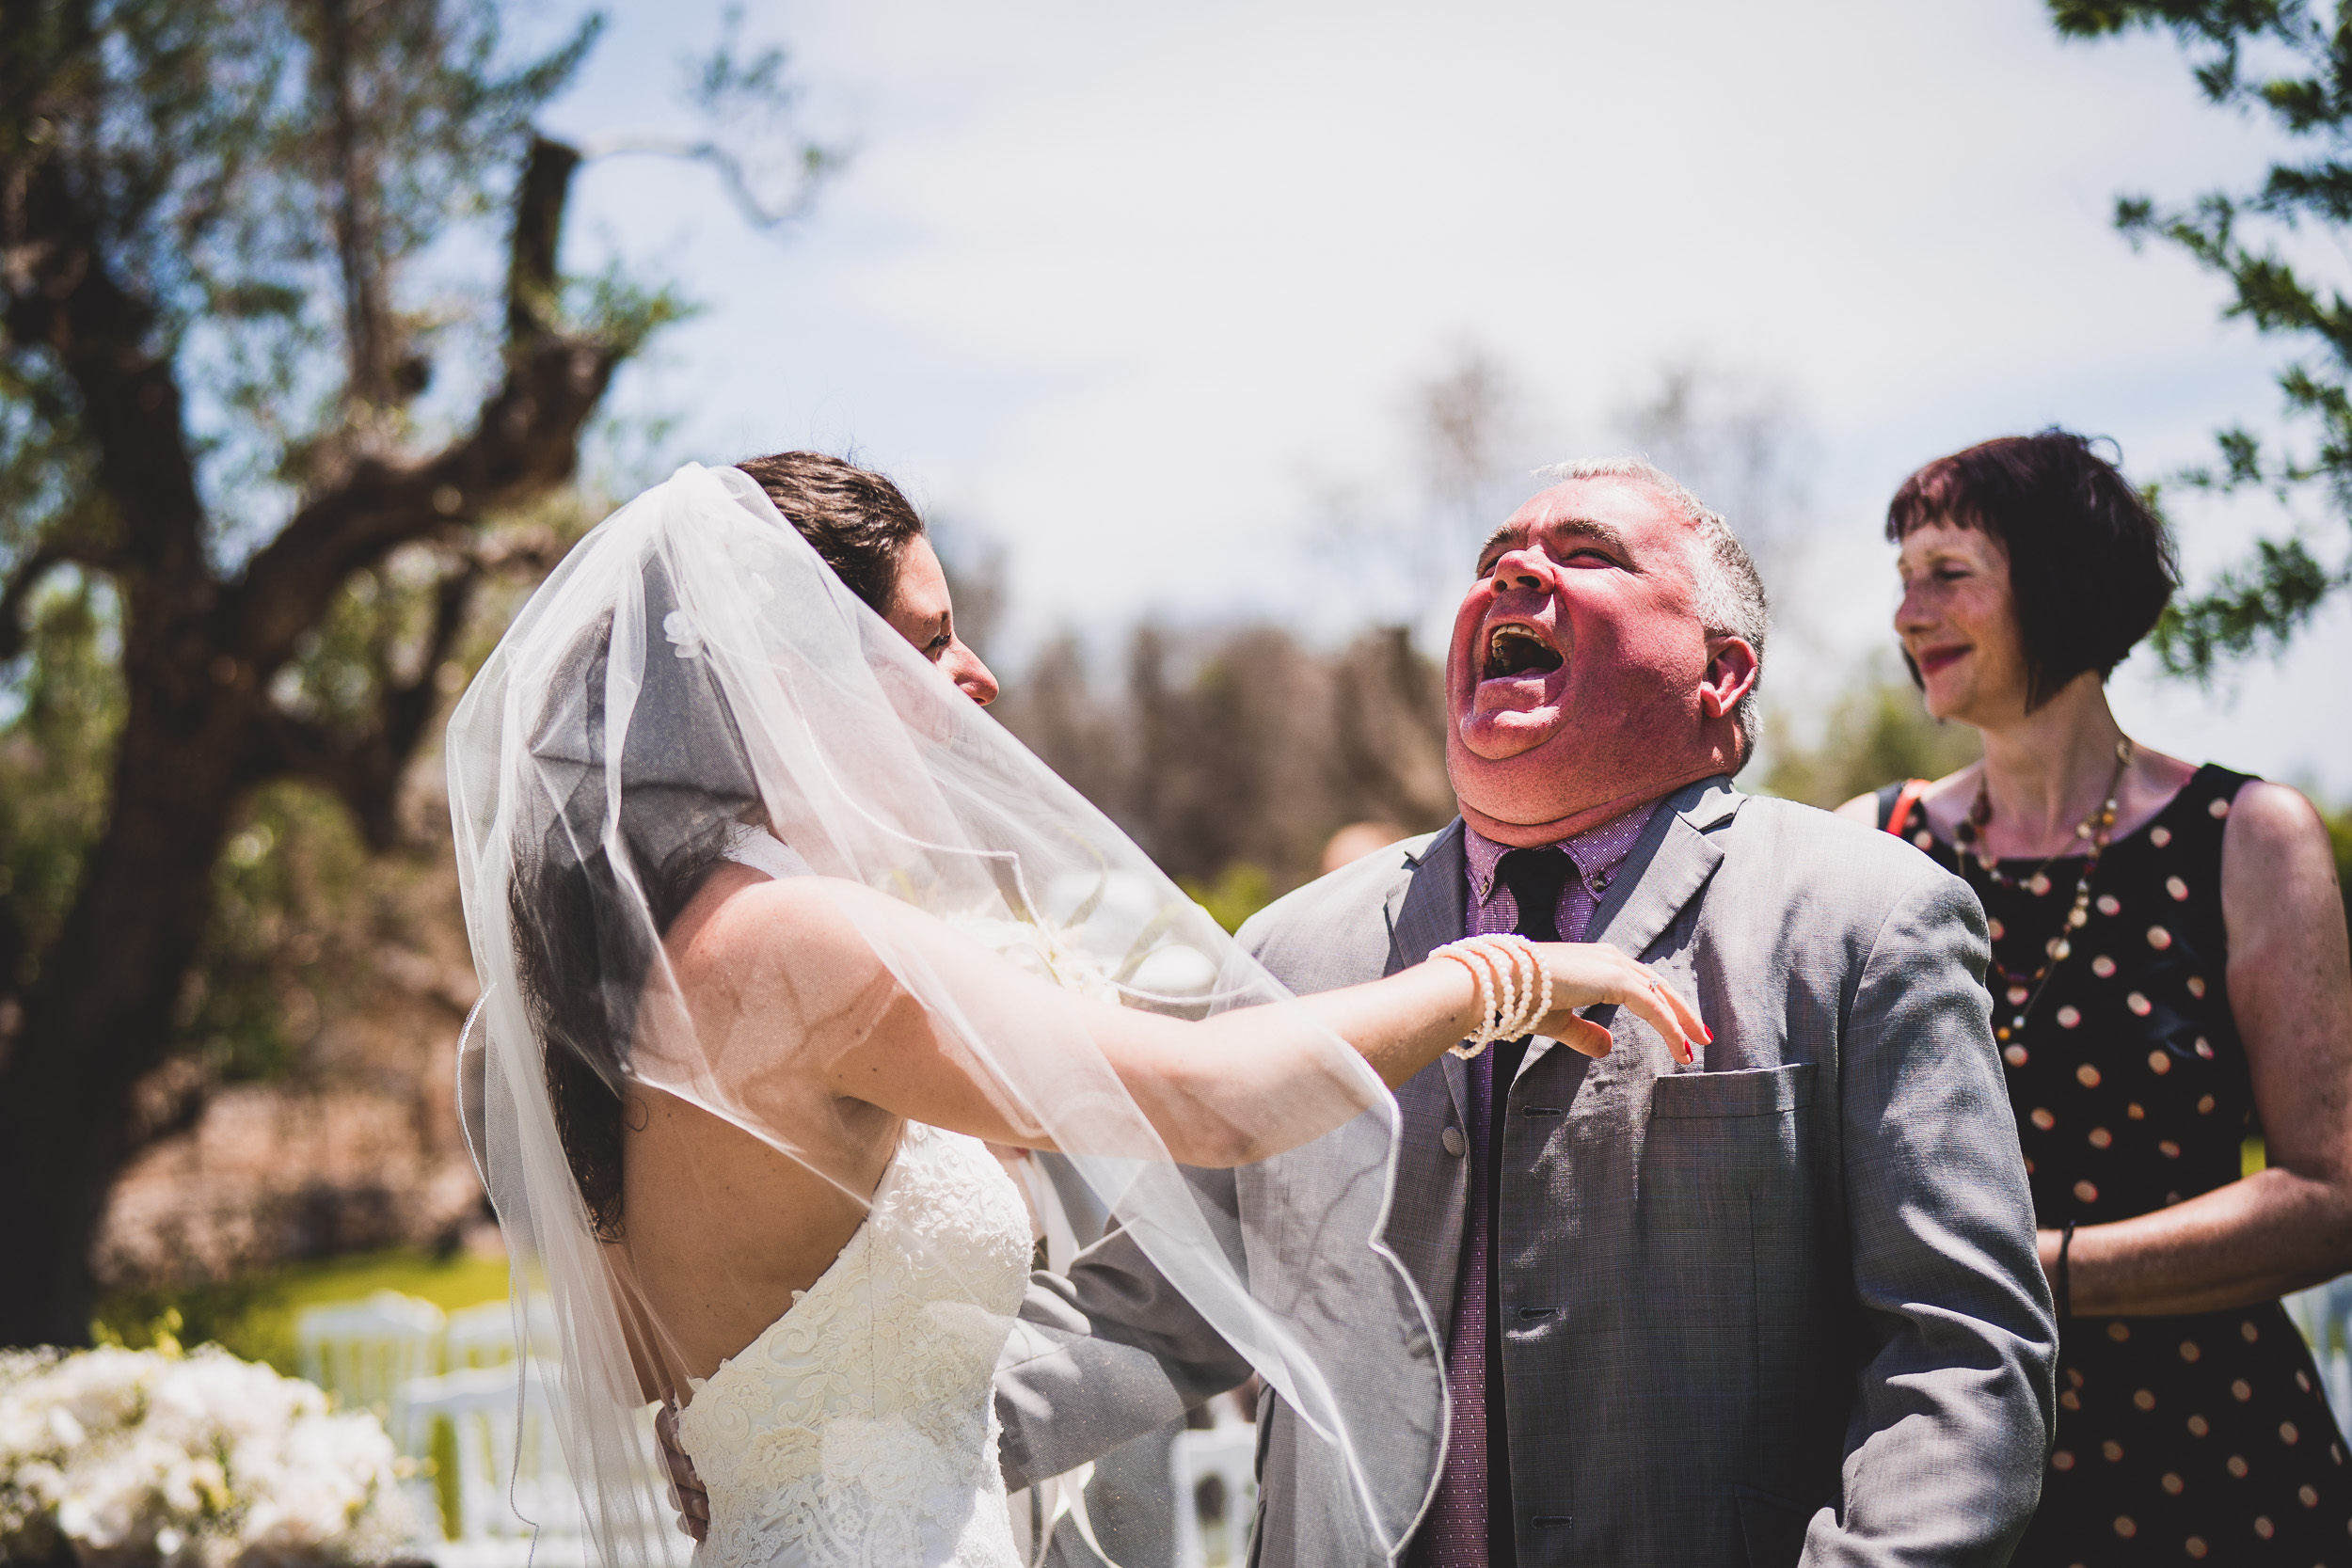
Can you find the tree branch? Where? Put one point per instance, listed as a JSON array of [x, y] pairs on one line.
[[367, 315], [816, 163], [17, 594], [60, 295], [363, 765], [525, 440]]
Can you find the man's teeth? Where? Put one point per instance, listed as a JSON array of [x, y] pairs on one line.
[[1514, 650]]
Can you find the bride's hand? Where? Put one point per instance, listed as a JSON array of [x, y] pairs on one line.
[[1585, 975]]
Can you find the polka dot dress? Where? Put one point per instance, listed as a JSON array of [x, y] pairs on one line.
[[2201, 1438]]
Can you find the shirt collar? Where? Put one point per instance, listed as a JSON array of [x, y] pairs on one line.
[[1595, 852]]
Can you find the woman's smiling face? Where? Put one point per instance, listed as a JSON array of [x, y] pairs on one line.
[[1958, 621]]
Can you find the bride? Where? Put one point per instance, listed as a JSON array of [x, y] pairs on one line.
[[775, 927]]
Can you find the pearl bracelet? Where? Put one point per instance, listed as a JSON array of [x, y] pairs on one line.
[[1506, 964]]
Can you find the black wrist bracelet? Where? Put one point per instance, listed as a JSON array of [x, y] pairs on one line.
[[2065, 1283]]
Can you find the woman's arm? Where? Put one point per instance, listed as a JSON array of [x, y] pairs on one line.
[[781, 976], [2290, 1226]]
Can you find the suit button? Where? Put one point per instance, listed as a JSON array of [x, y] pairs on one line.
[[1451, 1138]]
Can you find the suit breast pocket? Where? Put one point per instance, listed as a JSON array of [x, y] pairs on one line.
[[1729, 1149], [1726, 1198]]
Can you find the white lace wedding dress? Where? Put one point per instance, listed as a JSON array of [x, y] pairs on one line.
[[860, 1429]]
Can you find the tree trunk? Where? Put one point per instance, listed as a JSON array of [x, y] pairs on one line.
[[199, 732], [100, 1016]]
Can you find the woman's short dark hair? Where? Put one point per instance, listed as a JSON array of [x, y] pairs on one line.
[[859, 522], [2090, 563]]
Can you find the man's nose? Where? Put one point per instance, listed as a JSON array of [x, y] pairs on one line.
[[1526, 567], [971, 676]]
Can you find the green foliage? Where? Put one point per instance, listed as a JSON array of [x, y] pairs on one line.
[[277, 948], [2283, 61], [1240, 891], [254, 1315], [2339, 834], [1877, 733], [68, 697], [265, 173], [2260, 604]]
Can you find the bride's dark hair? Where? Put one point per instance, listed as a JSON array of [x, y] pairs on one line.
[[857, 520], [582, 942]]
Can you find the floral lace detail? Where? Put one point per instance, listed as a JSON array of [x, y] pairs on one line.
[[860, 1429]]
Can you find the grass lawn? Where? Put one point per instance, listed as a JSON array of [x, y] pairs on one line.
[[254, 1316]]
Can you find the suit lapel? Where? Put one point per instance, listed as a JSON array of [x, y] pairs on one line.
[[1668, 865], [1673, 861], [1427, 907], [1426, 911]]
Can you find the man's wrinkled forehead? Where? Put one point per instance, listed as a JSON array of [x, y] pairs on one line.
[[1617, 515], [1564, 528]]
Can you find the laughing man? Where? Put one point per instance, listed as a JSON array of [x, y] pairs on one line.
[[1777, 1307]]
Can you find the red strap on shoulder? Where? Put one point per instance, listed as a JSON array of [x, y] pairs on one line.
[[1905, 803]]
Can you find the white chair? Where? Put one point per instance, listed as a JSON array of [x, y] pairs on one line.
[[1215, 1476], [2324, 1313], [510, 1478], [484, 1336], [366, 1353], [479, 1337]]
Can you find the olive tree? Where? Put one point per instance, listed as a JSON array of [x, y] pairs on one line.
[[284, 350]]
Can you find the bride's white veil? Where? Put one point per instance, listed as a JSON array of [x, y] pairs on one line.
[[693, 672]]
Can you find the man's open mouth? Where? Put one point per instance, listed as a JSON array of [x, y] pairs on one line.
[[1514, 649]]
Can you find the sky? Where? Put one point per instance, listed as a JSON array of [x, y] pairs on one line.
[[1128, 291]]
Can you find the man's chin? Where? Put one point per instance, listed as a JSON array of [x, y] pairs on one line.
[[1500, 735]]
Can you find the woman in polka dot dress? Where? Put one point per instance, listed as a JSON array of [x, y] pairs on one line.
[[2169, 974]]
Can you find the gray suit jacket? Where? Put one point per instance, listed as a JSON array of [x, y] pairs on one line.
[[1779, 1306]]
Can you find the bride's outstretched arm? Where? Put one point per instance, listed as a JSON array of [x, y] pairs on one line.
[[790, 968]]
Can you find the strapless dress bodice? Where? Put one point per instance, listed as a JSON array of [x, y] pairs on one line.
[[860, 1427]]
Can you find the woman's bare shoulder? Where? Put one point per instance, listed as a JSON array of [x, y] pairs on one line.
[[2276, 823], [741, 917]]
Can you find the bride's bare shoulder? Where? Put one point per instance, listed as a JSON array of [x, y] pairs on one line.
[[743, 916]]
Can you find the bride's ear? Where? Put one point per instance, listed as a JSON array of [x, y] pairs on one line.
[[1732, 666]]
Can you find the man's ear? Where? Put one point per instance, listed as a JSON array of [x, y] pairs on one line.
[[1731, 671]]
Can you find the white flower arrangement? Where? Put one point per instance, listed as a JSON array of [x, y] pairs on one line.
[[197, 1460]]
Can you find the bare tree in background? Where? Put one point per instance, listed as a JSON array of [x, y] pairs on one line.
[[1404, 542], [1468, 415], [1233, 755], [1738, 440]]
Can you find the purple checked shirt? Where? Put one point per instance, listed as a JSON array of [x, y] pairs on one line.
[[1597, 854], [1458, 1530]]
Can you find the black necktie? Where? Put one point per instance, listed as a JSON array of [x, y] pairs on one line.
[[1535, 878]]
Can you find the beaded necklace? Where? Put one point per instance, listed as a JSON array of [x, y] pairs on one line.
[[2096, 829]]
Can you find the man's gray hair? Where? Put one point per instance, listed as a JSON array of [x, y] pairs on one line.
[[1731, 590]]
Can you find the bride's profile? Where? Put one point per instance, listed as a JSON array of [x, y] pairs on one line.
[[774, 927]]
